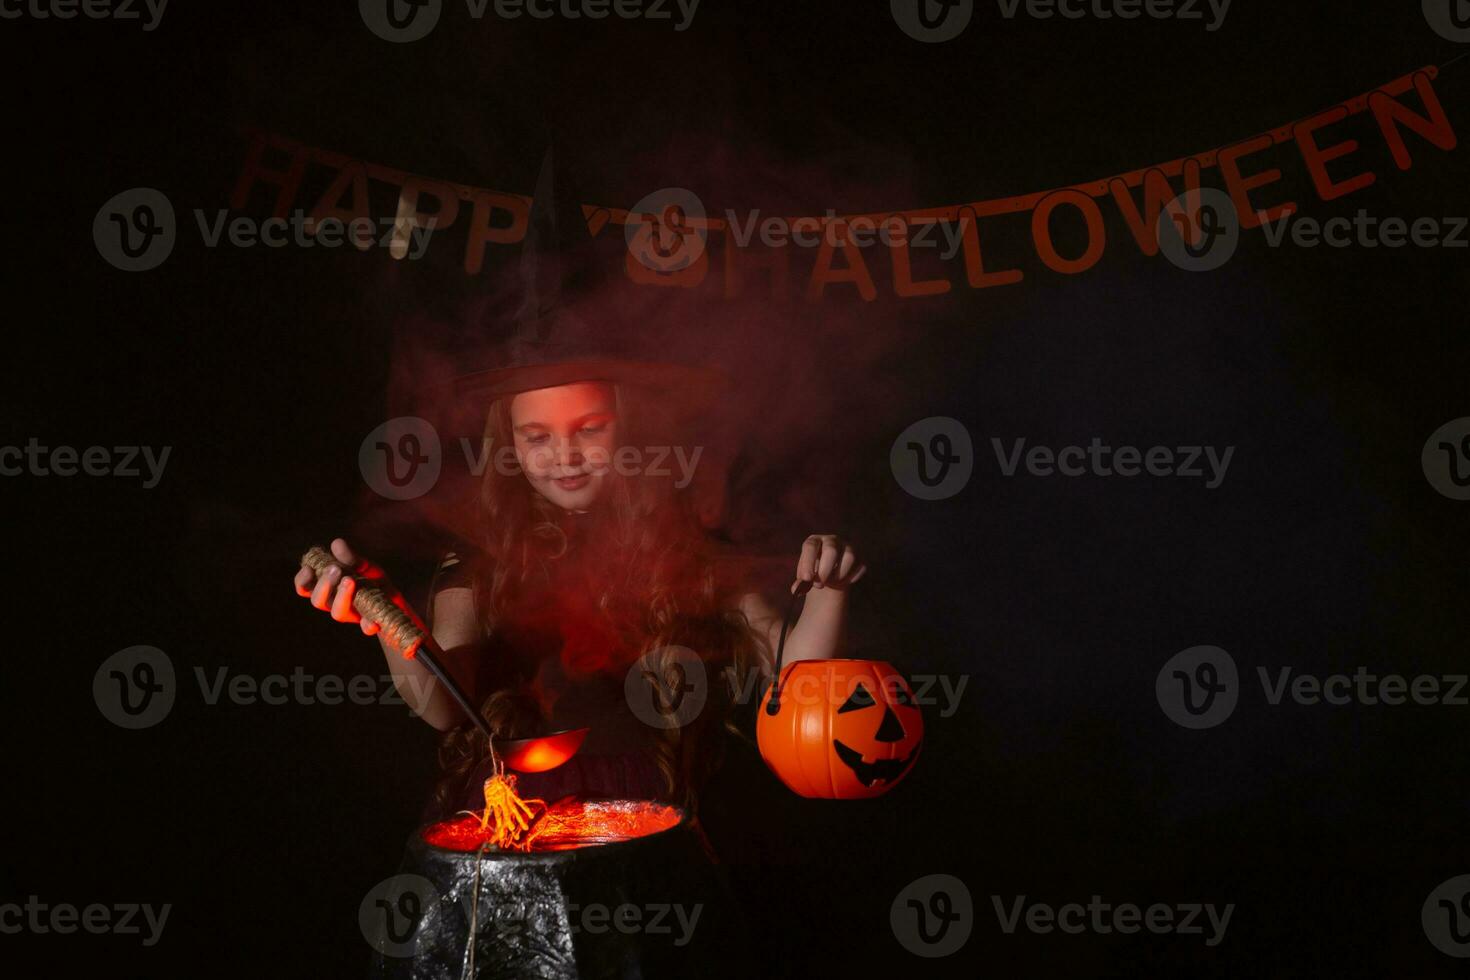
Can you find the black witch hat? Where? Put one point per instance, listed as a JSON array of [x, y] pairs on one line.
[[568, 326]]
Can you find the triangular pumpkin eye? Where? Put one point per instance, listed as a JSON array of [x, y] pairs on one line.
[[859, 698], [901, 697]]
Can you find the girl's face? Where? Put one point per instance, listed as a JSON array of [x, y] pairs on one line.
[[565, 438]]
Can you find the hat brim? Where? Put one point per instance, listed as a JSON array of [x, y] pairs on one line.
[[699, 382]]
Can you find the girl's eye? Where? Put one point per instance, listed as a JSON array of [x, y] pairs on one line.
[[593, 430], [534, 440]]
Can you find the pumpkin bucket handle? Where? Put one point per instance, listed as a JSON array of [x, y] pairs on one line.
[[773, 706]]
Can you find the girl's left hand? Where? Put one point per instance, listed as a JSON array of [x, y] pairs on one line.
[[828, 562]]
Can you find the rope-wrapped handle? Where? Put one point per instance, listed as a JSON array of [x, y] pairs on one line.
[[396, 622]]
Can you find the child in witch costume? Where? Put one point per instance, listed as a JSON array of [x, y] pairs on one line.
[[582, 569]]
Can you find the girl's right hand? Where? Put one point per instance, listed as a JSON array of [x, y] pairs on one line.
[[334, 591]]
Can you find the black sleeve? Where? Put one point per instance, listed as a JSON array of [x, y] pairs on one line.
[[453, 572]]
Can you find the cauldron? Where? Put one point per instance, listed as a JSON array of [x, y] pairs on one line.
[[633, 894]]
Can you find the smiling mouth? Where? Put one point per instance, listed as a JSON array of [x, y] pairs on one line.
[[573, 482], [868, 773]]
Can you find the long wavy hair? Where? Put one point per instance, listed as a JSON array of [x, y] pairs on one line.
[[654, 587]]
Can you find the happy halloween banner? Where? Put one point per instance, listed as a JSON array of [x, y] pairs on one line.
[[670, 242]]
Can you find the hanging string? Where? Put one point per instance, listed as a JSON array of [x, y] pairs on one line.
[[474, 915]]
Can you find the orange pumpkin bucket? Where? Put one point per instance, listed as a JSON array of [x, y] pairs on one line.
[[838, 729]]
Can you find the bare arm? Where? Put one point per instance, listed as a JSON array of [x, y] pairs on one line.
[[456, 631], [819, 633]]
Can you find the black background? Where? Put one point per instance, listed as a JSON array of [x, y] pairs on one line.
[[1058, 600]]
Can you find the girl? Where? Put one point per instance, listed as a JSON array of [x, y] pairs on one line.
[[587, 571]]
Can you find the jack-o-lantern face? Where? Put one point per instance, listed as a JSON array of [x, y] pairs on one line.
[[845, 729]]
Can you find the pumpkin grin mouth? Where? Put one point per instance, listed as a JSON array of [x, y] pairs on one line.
[[868, 773]]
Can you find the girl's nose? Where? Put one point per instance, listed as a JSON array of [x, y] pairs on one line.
[[568, 453]]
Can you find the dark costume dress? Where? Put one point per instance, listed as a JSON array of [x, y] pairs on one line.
[[560, 655]]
